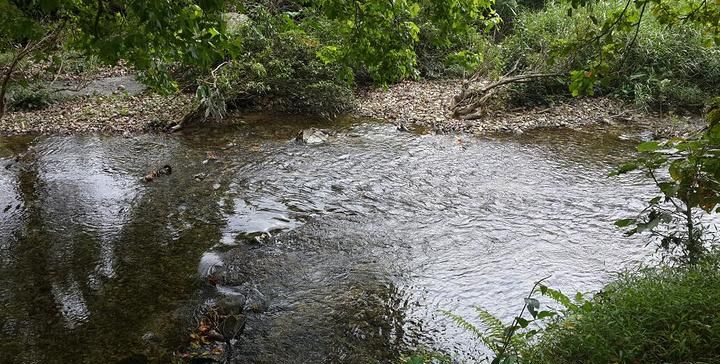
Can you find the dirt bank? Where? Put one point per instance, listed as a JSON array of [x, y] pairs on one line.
[[114, 114], [427, 104], [422, 103]]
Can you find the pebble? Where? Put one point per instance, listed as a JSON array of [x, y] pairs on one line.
[[426, 103]]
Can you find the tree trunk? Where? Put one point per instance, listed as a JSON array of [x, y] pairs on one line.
[[46, 41], [6, 82]]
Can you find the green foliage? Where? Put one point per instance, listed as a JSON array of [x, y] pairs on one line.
[[441, 55], [655, 68], [154, 36], [510, 343], [150, 35], [375, 35], [306, 57], [689, 190], [533, 46], [620, 33], [655, 316], [380, 36], [278, 68], [30, 98], [671, 69]]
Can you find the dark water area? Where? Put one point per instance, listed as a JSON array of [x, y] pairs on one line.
[[352, 246]]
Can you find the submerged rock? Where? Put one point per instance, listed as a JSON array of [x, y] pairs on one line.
[[256, 301], [151, 338], [312, 136], [232, 304], [165, 170]]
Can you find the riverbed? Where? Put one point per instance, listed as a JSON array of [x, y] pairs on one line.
[[350, 247]]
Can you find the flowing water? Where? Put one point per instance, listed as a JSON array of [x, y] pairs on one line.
[[350, 247]]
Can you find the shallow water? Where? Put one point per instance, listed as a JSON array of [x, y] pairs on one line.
[[354, 245]]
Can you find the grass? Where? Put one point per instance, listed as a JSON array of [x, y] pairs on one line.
[[665, 69], [662, 315]]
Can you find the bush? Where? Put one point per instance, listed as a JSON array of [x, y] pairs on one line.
[[278, 69], [29, 98], [460, 56], [656, 316], [663, 69], [671, 68], [536, 38]]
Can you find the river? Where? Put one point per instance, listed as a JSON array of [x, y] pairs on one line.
[[352, 246]]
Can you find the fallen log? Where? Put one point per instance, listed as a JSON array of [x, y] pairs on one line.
[[468, 104]]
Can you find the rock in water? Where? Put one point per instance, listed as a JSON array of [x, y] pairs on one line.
[[255, 301], [231, 305], [312, 136]]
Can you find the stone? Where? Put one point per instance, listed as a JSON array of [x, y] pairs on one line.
[[312, 136], [232, 304], [256, 301], [151, 338]]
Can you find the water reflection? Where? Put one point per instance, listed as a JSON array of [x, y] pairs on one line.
[[344, 252], [95, 263]]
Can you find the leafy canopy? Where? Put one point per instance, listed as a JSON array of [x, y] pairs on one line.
[[617, 33], [150, 35]]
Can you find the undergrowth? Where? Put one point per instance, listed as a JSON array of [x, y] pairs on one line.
[[664, 69]]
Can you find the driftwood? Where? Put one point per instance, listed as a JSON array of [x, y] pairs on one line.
[[468, 104], [196, 116]]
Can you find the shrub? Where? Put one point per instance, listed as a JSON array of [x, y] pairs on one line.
[[671, 68], [277, 68], [29, 98], [663, 68], [458, 56], [655, 316], [536, 37]]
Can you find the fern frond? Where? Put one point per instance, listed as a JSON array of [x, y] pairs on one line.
[[498, 331], [560, 298], [495, 327], [464, 324]]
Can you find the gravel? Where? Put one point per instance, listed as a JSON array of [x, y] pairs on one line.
[[421, 103], [113, 114], [426, 104]]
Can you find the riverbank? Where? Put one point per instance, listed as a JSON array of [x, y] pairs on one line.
[[111, 114], [419, 103], [426, 104]]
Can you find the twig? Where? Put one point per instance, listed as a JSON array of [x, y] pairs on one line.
[[513, 69], [28, 49], [617, 20], [634, 39]]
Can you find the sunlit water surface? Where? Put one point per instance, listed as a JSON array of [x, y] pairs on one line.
[[370, 235]]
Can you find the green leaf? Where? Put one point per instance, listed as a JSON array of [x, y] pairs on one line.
[[648, 146], [522, 322], [545, 314], [624, 222], [625, 168], [532, 305]]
